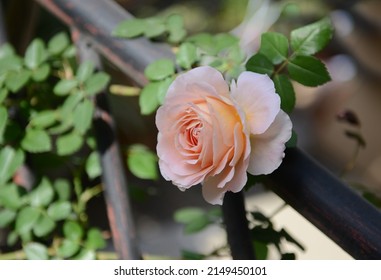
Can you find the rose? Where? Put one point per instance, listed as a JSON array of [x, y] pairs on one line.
[[210, 136]]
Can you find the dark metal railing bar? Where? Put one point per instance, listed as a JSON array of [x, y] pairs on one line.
[[331, 206]]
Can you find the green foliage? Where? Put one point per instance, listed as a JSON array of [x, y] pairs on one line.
[[312, 38], [195, 219], [47, 119], [36, 251], [264, 234], [142, 162], [160, 69], [274, 46], [308, 71], [36, 141], [276, 55], [10, 161], [284, 88], [259, 63], [171, 28], [187, 55]]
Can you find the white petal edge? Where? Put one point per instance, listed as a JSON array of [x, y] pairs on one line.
[[255, 94], [203, 74], [267, 149]]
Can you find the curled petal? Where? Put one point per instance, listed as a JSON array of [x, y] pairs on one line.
[[267, 149], [205, 75], [255, 93]]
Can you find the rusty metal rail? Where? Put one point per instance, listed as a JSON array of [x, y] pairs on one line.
[[325, 201]]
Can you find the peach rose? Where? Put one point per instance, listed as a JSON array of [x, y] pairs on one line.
[[210, 136]]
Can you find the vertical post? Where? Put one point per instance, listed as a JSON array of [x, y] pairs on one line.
[[239, 239]]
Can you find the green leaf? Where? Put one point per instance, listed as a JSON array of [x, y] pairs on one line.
[[36, 251], [148, 99], [197, 225], [84, 71], [3, 121], [26, 219], [93, 167], [3, 94], [69, 143], [286, 92], [154, 27], [308, 71], [70, 52], [195, 219], [205, 42], [63, 189], [274, 46], [95, 239], [16, 80], [58, 43], [68, 248], [189, 255], [174, 22], [83, 116], [7, 216], [160, 69], [12, 238], [261, 250], [175, 27], [41, 73], [43, 194], [64, 87], [224, 41], [26, 236], [44, 119], [187, 55], [10, 161], [73, 231], [35, 54], [63, 127], [10, 63], [129, 28], [86, 254], [44, 226], [176, 35], [188, 214], [163, 89], [70, 104], [6, 49], [312, 38], [96, 83], [36, 141], [259, 63], [59, 210], [142, 162]]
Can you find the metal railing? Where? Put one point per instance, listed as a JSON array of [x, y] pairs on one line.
[[314, 192]]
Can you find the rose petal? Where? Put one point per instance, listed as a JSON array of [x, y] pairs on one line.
[[255, 93], [205, 74], [267, 149]]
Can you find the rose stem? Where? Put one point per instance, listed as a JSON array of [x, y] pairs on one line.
[[237, 229]]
